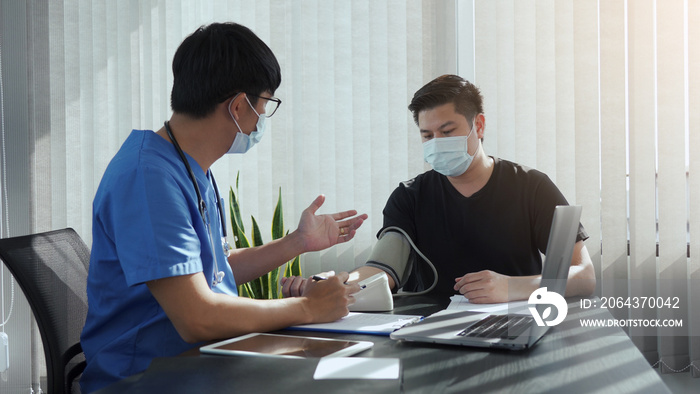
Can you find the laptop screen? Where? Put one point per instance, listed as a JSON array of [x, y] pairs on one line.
[[560, 248]]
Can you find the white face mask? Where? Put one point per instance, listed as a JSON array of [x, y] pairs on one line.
[[243, 142], [449, 155]]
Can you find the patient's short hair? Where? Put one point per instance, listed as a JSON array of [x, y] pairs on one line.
[[448, 89]]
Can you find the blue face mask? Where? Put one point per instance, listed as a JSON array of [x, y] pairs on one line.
[[243, 142], [449, 155]]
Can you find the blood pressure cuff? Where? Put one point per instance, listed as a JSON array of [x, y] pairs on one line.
[[393, 254]]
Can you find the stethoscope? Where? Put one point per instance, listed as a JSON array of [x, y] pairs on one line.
[[219, 275]]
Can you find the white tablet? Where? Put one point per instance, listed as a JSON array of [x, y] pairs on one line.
[[287, 346]]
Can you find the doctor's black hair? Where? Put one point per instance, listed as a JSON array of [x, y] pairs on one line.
[[448, 89], [218, 61]]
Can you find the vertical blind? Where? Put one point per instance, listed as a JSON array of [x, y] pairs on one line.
[[94, 70], [603, 96], [81, 74]]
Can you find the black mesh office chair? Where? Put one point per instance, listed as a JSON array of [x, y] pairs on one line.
[[51, 268]]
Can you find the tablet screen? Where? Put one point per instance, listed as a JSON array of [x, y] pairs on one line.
[[286, 346]]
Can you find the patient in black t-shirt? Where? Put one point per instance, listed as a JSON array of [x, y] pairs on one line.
[[482, 221]]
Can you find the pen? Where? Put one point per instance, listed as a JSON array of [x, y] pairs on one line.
[[318, 277]]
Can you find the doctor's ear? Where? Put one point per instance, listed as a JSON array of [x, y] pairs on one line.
[[234, 105]]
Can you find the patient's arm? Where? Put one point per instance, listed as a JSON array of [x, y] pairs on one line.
[[390, 255], [367, 271], [491, 287]]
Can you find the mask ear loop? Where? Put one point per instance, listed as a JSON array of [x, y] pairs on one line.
[[478, 140], [230, 113], [427, 260]]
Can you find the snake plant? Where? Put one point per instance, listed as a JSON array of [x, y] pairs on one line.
[[266, 286]]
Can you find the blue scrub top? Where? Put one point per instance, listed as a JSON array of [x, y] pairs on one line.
[[146, 226]]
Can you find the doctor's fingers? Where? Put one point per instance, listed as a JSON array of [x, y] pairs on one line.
[[342, 276], [346, 236], [352, 288], [353, 223], [344, 214], [340, 279]]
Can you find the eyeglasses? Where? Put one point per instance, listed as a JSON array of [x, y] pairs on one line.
[[271, 104]]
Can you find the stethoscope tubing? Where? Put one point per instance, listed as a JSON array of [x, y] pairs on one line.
[[202, 205]]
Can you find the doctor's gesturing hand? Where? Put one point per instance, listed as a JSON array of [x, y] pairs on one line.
[[318, 232]]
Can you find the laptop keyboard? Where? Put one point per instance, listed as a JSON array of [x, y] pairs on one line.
[[498, 326]]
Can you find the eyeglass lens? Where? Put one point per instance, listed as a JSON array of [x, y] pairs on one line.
[[270, 107]]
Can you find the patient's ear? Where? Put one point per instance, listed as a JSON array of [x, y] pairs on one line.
[[480, 121]]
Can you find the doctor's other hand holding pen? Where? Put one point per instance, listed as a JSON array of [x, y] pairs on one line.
[[329, 296], [295, 286]]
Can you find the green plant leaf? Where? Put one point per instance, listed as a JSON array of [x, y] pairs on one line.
[[255, 287], [236, 222], [293, 268], [287, 270], [263, 287], [243, 291], [275, 291], [232, 212], [296, 266], [263, 281], [242, 241], [249, 289], [257, 237], [278, 218]]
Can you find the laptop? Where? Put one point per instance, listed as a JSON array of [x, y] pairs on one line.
[[515, 331]]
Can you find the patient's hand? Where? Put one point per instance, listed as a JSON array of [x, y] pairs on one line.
[[293, 286], [483, 287]]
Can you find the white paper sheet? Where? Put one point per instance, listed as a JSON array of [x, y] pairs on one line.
[[459, 303], [357, 368]]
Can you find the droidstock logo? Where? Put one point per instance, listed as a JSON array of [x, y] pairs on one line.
[[542, 296]]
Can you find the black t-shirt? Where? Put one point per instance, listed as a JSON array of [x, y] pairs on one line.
[[503, 227]]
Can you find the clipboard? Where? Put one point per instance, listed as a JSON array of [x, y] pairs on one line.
[[362, 323]]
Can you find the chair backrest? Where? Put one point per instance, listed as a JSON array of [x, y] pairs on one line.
[[51, 268]]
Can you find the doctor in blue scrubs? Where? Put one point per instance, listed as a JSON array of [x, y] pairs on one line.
[[162, 279]]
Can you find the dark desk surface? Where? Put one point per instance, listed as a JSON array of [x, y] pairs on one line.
[[568, 359]]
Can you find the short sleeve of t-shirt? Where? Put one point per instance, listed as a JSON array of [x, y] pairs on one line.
[[146, 211], [548, 196], [399, 209], [158, 232]]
